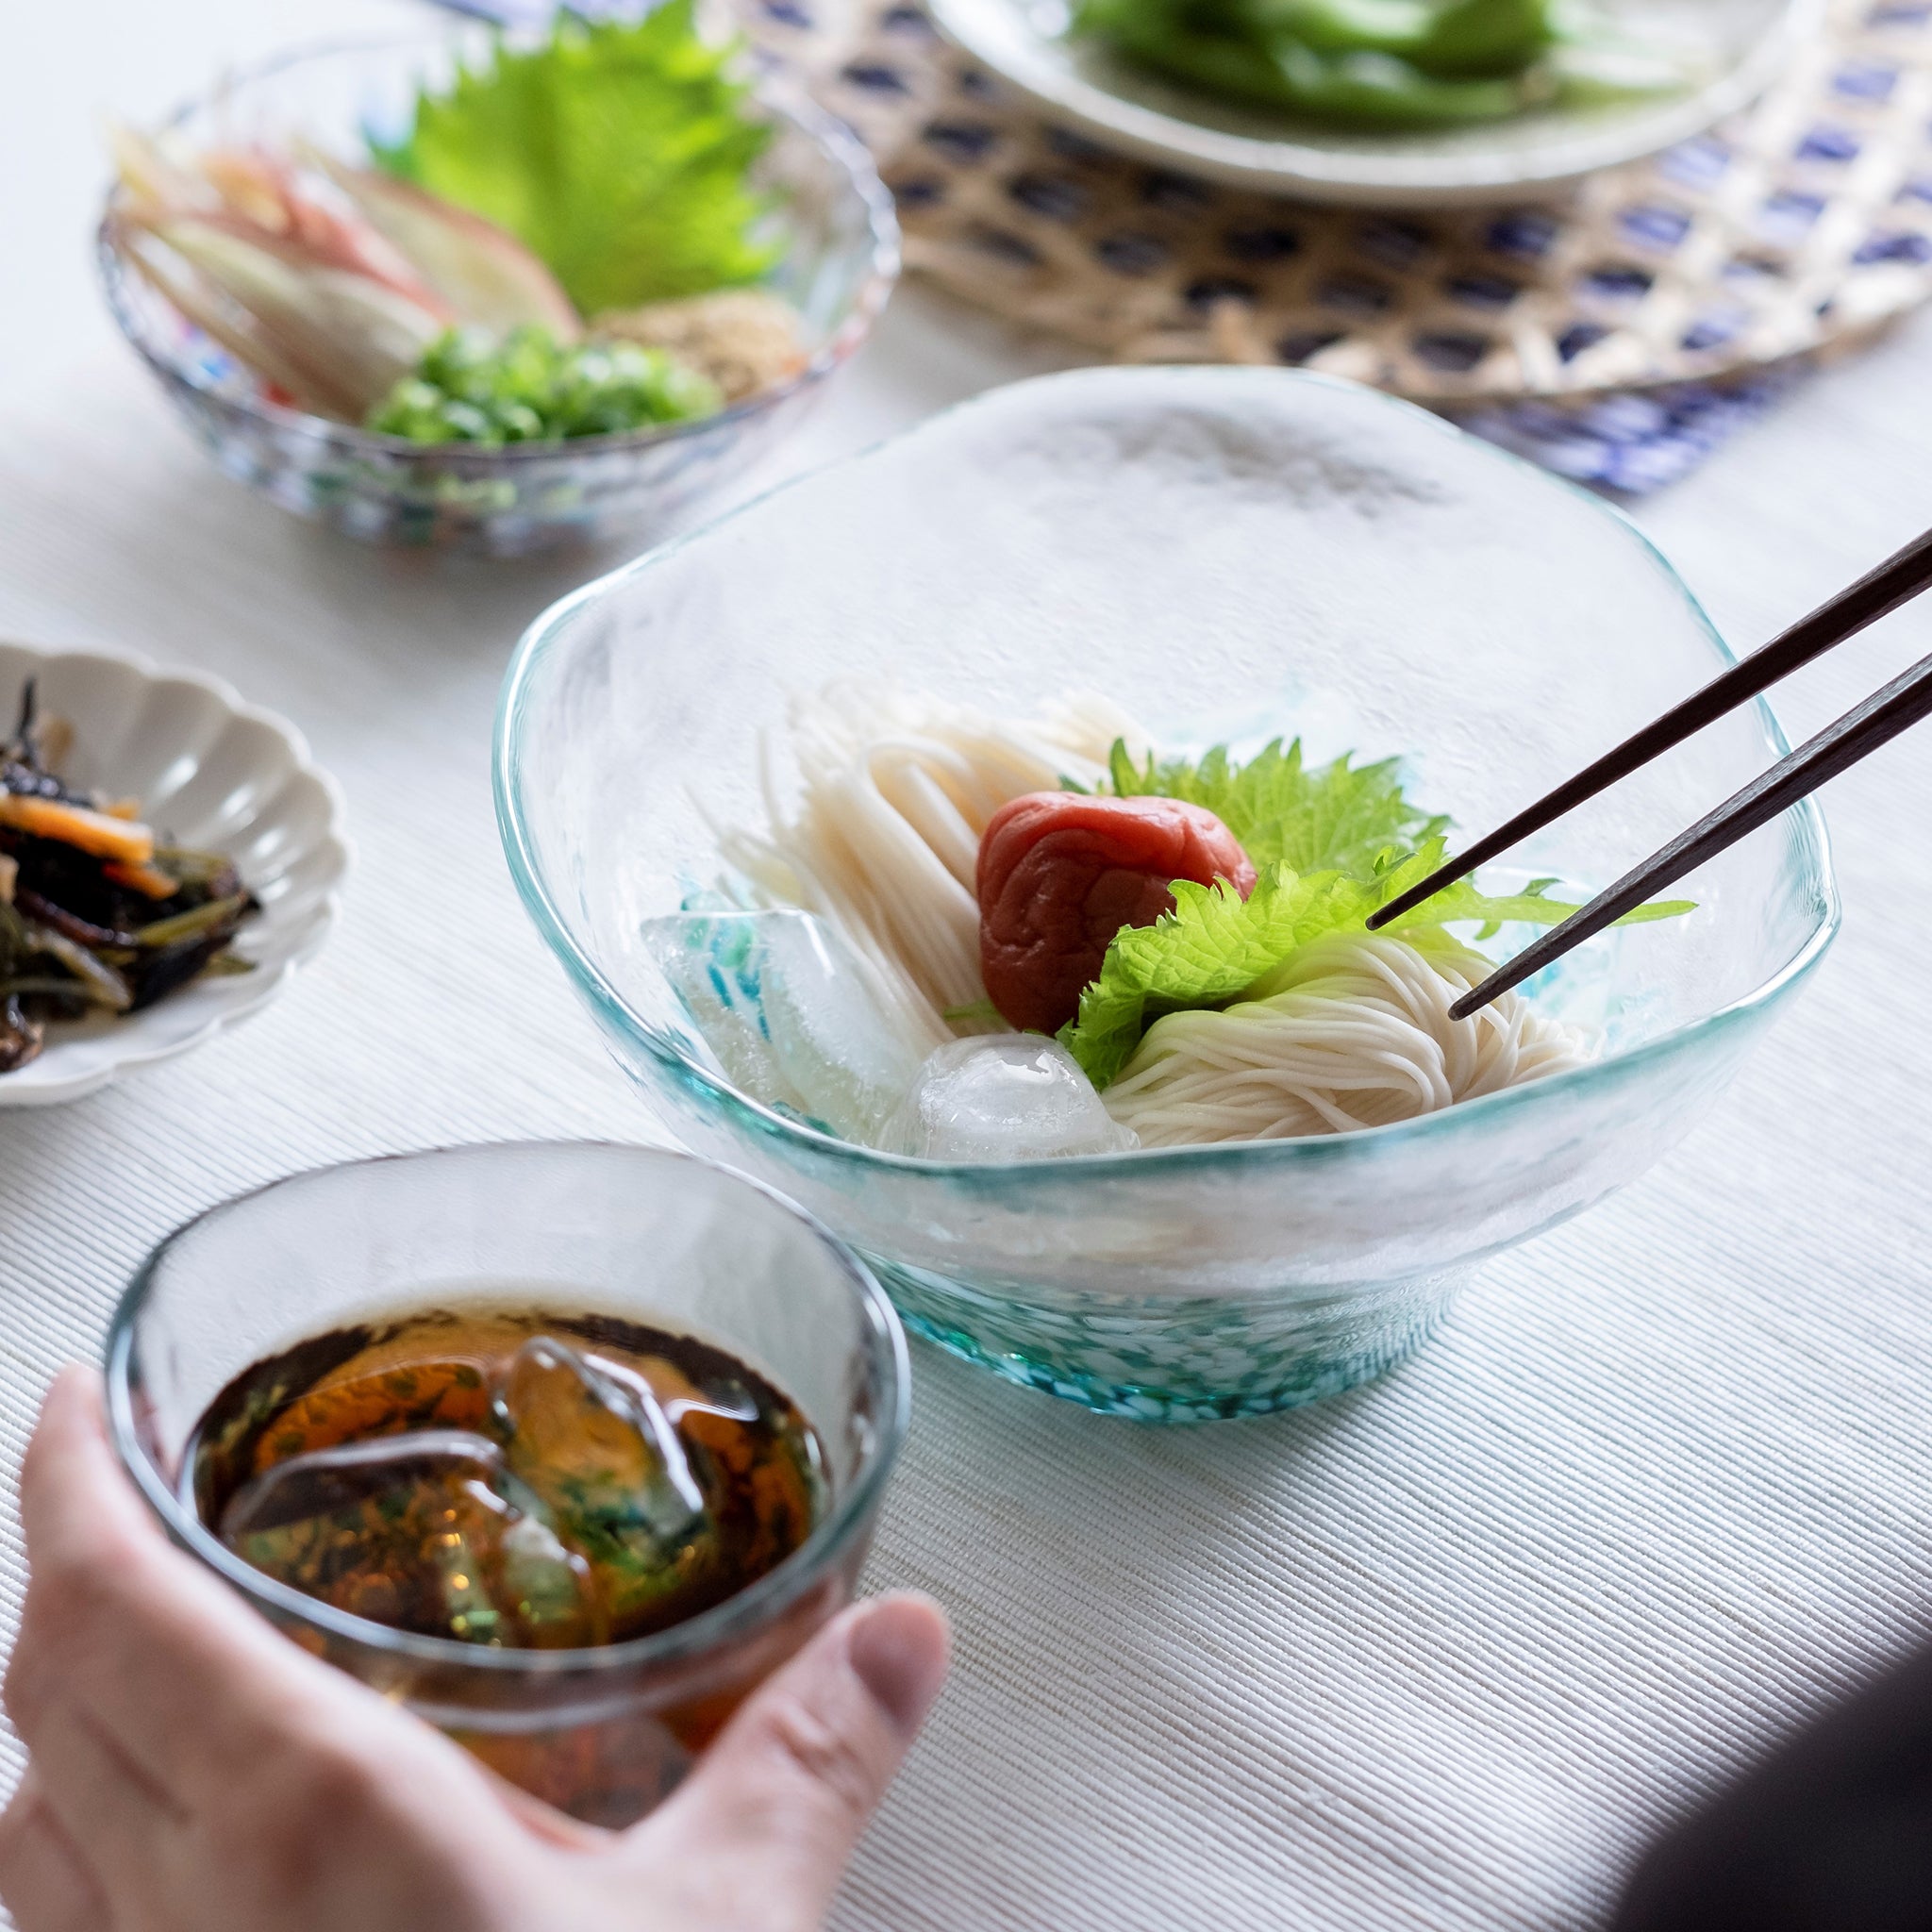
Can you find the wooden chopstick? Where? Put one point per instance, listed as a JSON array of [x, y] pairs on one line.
[[1900, 577], [1881, 717]]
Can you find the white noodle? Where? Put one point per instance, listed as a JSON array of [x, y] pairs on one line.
[[895, 790], [1354, 1032]]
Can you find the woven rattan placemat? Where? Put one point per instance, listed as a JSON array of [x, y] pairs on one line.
[[1798, 227]]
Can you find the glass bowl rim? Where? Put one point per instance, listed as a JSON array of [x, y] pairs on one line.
[[753, 1607], [781, 101], [1804, 821]]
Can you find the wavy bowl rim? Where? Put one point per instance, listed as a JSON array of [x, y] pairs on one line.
[[1805, 823], [757, 1605], [784, 103]]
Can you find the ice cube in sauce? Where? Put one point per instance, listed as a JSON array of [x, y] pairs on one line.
[[520, 1478], [427, 1531]]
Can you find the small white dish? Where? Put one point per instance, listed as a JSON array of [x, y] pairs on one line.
[[1741, 44], [211, 771]]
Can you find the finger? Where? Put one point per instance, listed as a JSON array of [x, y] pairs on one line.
[[774, 1809], [543, 1821], [45, 1882], [179, 1672], [101, 1799]]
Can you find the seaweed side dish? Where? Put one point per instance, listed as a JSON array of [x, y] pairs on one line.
[[98, 913]]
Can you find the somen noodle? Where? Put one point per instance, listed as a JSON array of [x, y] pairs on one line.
[[895, 789], [1192, 930], [1353, 1032]]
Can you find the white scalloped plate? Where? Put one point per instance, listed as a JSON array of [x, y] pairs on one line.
[[211, 771]]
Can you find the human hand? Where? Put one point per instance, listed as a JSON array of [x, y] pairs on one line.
[[192, 1770]]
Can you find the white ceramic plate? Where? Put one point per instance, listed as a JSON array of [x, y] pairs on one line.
[[211, 771], [1741, 46]]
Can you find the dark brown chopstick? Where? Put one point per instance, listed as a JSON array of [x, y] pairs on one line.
[[1881, 717], [1899, 579]]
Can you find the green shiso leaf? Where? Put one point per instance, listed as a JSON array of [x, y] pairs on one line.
[[1331, 817], [618, 152], [1207, 951], [1330, 846]]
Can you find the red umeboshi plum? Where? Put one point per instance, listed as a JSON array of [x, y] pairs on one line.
[[1061, 873]]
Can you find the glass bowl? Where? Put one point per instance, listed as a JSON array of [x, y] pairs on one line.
[[1231, 554], [653, 1236], [840, 261]]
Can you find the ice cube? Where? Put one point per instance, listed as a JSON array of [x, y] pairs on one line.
[[829, 1029], [714, 962], [791, 1012], [1004, 1097], [594, 1443], [427, 1531], [550, 1586]]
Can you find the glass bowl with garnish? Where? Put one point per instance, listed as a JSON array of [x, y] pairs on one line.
[[496, 291], [996, 880]]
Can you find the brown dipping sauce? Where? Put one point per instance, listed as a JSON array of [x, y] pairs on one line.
[[508, 1478]]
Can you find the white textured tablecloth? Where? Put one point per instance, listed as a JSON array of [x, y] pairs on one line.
[[1439, 1654]]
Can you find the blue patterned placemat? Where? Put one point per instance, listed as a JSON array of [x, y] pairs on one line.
[[1616, 336], [1634, 442]]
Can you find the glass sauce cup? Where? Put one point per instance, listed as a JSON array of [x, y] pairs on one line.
[[655, 1238]]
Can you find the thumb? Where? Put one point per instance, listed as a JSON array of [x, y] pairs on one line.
[[762, 1829]]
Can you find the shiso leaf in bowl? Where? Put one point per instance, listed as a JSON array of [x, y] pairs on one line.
[[1352, 821], [1284, 812], [616, 151]]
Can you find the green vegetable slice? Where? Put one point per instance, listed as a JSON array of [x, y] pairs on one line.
[[528, 388], [1386, 63]]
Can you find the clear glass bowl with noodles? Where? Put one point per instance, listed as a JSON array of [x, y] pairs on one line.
[[1229, 554]]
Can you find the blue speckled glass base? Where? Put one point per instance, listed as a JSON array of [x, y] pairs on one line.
[[1210, 1358]]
